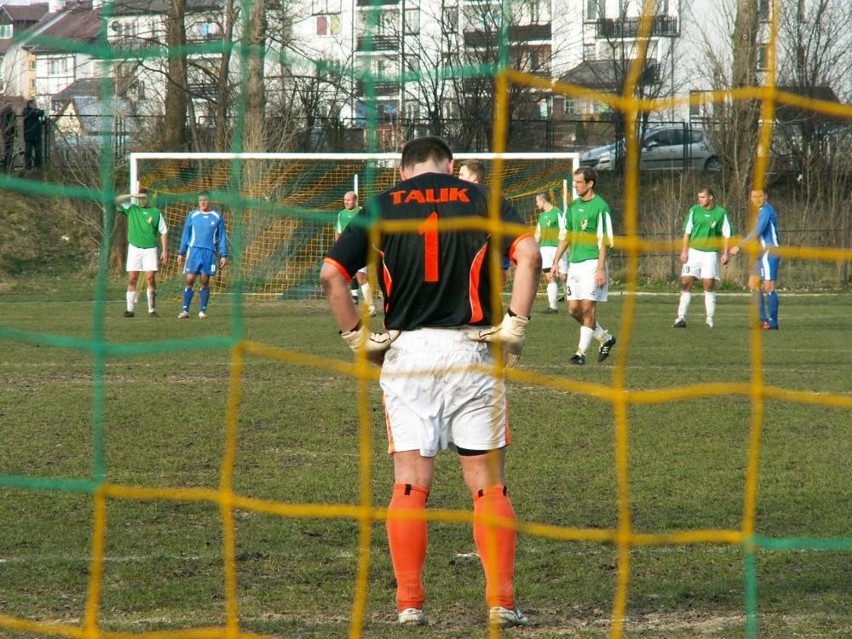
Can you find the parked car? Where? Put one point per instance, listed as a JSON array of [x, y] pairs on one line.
[[669, 148]]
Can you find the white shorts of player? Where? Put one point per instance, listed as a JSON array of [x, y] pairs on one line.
[[142, 259], [547, 255], [581, 282], [702, 265], [363, 271], [435, 399]]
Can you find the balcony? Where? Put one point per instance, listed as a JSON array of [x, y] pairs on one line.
[[379, 88], [661, 27], [377, 43], [517, 33], [374, 3]]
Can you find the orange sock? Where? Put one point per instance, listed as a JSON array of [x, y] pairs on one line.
[[407, 541], [496, 545]]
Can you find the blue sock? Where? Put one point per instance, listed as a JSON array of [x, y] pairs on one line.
[[204, 297], [187, 297], [773, 308], [757, 296]]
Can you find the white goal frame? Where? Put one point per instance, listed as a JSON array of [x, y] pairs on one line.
[[136, 157]]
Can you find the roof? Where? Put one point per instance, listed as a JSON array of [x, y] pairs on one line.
[[598, 74], [80, 24], [793, 114], [140, 7], [86, 86], [26, 12]]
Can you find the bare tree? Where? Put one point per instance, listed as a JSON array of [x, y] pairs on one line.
[[177, 95]]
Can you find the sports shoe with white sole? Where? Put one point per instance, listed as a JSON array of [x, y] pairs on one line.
[[183, 315], [679, 323], [506, 617], [202, 315], [577, 360], [411, 617], [606, 347], [709, 322]]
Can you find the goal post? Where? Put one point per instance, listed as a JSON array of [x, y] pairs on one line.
[[287, 204]]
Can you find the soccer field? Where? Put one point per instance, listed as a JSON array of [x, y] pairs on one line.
[[712, 496]]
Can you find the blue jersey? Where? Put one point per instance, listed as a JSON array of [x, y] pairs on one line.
[[766, 229], [204, 230]]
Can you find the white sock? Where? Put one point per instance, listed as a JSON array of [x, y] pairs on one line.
[[601, 334], [367, 292], [683, 307], [152, 298], [131, 300], [710, 303], [586, 335], [552, 290]]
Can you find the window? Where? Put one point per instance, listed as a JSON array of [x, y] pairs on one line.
[[140, 90], [595, 10], [328, 25], [662, 8], [412, 21], [763, 9], [450, 20], [5, 31], [762, 57], [205, 30], [801, 10], [321, 7]]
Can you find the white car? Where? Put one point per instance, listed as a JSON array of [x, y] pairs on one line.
[[670, 148]]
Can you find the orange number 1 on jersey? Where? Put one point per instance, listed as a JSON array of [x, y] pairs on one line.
[[429, 231]]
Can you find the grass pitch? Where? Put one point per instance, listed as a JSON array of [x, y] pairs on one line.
[[148, 414]]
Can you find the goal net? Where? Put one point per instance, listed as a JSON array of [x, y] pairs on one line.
[[280, 208]]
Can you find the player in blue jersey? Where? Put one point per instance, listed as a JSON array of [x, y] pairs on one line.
[[762, 279], [440, 384], [203, 236]]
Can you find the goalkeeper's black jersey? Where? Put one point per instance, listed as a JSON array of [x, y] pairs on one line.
[[430, 277]]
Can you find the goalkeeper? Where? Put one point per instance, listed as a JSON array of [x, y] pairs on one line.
[[438, 391]]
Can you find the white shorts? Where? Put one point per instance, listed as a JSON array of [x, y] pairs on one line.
[[547, 255], [142, 259], [581, 282], [702, 265], [433, 400], [363, 271]]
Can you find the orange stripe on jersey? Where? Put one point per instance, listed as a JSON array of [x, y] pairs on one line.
[[476, 313], [515, 243], [386, 278], [338, 266]]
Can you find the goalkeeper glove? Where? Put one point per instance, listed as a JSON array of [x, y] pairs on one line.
[[375, 343], [510, 335]]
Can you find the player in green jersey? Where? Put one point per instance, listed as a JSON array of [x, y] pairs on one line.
[[705, 230], [587, 228], [344, 217], [145, 224], [547, 236]]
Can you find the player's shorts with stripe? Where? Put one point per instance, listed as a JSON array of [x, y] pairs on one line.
[[434, 400], [766, 267], [547, 255], [581, 282], [142, 259], [702, 265], [200, 261]]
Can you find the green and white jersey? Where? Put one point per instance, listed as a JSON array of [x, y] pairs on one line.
[[589, 227], [705, 227], [144, 225], [547, 227], [344, 217]]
